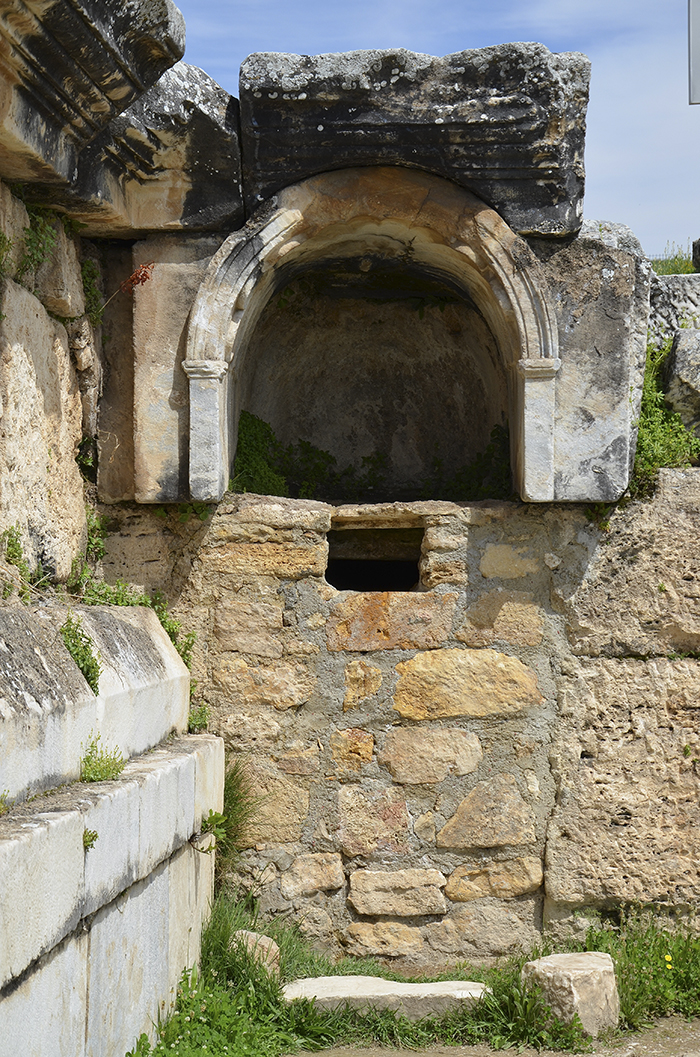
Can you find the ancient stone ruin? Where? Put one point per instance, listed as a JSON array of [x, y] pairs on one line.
[[472, 720]]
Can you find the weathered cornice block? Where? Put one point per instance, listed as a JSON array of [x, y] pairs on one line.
[[67, 67], [170, 162], [507, 123]]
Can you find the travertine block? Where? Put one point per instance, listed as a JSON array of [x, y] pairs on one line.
[[283, 808], [385, 939], [251, 560], [508, 616], [507, 562], [449, 682], [262, 948], [390, 620], [582, 984], [397, 893], [249, 627], [493, 814], [372, 821], [281, 686], [315, 872], [352, 747], [362, 681], [504, 880], [417, 757], [483, 929]]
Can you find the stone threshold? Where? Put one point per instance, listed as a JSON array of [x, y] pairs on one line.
[[413, 1001]]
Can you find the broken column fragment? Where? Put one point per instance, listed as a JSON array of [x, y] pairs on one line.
[[506, 122], [67, 69]]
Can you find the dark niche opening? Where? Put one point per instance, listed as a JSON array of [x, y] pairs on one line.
[[374, 559], [378, 381]]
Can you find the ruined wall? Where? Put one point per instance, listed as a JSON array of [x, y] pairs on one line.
[[446, 771]]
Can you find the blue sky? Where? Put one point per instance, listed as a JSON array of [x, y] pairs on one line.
[[643, 141]]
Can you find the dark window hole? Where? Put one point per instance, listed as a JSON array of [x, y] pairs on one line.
[[374, 559]]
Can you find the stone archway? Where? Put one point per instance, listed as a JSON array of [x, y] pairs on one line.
[[439, 230]]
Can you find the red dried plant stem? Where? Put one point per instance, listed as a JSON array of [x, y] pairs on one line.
[[138, 277]]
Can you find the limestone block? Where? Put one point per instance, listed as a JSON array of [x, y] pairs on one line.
[[372, 820], [128, 973], [601, 294], [303, 115], [435, 569], [283, 808], [210, 765], [249, 627], [388, 620], [637, 599], [316, 925], [674, 303], [483, 930], [506, 616], [190, 898], [249, 729], [161, 310], [41, 418], [682, 376], [626, 820], [362, 680], [504, 880], [278, 512], [46, 719], [424, 827], [299, 760], [45, 1015], [352, 747], [418, 757], [170, 162], [252, 560], [113, 864], [311, 873], [58, 282], [444, 683], [413, 1001], [493, 814], [166, 804], [262, 948], [578, 983], [281, 686], [397, 893], [77, 66], [42, 867], [13, 220], [507, 562], [384, 939]]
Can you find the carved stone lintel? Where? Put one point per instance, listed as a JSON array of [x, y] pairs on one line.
[[67, 67]]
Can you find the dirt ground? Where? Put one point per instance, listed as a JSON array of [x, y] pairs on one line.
[[670, 1037]]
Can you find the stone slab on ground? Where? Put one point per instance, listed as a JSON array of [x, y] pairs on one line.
[[414, 1001]]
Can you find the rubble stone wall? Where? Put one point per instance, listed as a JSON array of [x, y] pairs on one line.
[[445, 772]]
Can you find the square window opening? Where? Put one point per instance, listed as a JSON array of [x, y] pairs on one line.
[[374, 559]]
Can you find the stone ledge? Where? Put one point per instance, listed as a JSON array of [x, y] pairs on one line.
[[413, 1001], [47, 710], [141, 820]]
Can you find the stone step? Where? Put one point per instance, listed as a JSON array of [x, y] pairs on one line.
[[413, 1001]]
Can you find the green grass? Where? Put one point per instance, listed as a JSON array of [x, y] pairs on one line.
[[663, 439], [675, 260], [233, 1006]]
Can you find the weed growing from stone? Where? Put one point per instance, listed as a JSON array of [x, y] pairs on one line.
[[663, 439], [79, 645], [39, 241], [94, 308], [98, 764], [14, 555], [96, 533], [5, 251], [90, 837], [5, 802], [199, 718]]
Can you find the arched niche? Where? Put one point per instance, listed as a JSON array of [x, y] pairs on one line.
[[409, 220]]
